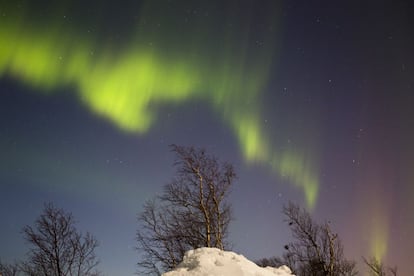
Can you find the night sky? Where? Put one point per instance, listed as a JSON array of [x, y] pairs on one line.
[[311, 101]]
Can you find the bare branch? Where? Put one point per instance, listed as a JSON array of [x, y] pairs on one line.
[[57, 248], [315, 249], [377, 268], [191, 212]]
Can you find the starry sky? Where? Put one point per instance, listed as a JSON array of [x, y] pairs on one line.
[[311, 101]]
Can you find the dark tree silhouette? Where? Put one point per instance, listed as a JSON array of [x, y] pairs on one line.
[[377, 268], [191, 212], [9, 269], [57, 248], [315, 250]]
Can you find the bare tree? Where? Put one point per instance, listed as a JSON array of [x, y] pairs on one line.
[[9, 269], [316, 251], [57, 248], [377, 268], [191, 212]]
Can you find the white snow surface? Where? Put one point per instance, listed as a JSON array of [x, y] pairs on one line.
[[215, 262]]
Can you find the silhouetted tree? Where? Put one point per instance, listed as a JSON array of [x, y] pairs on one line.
[[377, 268], [272, 262], [9, 269], [57, 248], [191, 212], [315, 251]]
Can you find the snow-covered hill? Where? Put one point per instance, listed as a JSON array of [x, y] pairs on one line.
[[215, 262]]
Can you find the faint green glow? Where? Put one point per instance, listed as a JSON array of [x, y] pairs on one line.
[[379, 233], [253, 145], [291, 165], [295, 167], [126, 86]]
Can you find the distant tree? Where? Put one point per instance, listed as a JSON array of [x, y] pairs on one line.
[[315, 251], [57, 248], [9, 269], [377, 268], [191, 212], [273, 262]]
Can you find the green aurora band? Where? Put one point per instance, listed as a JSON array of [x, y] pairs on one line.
[[217, 65]]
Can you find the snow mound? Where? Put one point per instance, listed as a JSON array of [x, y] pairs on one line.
[[215, 262]]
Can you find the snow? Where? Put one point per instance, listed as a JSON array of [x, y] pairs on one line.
[[215, 262]]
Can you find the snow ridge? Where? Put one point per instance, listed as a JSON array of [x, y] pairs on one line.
[[215, 262]]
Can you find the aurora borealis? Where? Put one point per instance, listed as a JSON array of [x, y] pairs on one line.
[[311, 102], [121, 86]]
